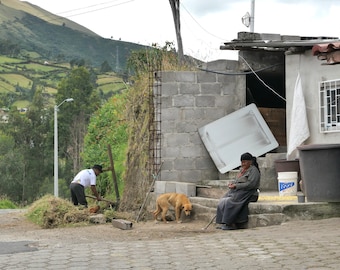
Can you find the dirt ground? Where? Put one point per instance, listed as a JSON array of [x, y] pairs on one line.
[[14, 226]]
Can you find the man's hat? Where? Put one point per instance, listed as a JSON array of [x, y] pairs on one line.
[[98, 167]]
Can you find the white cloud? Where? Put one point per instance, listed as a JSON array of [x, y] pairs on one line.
[[203, 7], [205, 25]]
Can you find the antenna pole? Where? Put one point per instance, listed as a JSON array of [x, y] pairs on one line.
[[252, 16]]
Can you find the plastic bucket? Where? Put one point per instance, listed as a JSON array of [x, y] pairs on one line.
[[284, 165], [287, 183]]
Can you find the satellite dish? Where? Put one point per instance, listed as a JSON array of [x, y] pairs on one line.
[[246, 19]]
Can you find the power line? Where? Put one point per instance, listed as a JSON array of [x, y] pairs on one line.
[[48, 19], [81, 8], [209, 33], [94, 10]]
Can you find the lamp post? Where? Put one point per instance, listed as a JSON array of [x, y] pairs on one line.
[[56, 145]]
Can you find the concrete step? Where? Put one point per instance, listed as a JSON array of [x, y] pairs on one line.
[[271, 209], [262, 220], [259, 214]]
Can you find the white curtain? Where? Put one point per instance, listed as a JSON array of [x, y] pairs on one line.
[[299, 130]]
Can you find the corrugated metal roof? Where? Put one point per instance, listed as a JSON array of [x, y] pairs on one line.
[[255, 41]]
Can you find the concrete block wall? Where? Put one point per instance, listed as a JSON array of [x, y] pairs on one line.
[[190, 100]]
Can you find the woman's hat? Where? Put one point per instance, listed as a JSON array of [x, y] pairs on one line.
[[246, 156]]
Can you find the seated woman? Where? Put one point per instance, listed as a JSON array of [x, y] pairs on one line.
[[232, 210]]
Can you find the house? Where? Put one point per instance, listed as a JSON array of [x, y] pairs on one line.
[[265, 74], [312, 92], [314, 58]]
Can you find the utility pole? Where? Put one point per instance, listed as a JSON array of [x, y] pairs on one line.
[[249, 19], [252, 16], [56, 144]]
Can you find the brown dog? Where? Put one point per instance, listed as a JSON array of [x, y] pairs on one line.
[[178, 201]]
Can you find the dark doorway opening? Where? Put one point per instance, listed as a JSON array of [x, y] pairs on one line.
[[267, 89]]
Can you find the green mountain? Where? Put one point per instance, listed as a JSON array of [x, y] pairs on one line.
[[41, 35]]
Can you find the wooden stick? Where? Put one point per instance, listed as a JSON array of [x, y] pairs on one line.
[[114, 177], [105, 200], [206, 227]]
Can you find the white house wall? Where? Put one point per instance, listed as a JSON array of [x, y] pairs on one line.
[[312, 71]]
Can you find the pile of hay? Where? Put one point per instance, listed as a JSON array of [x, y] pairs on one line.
[[52, 212]]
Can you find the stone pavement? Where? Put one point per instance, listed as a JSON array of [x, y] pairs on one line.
[[303, 244]]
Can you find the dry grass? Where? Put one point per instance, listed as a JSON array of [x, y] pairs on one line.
[[51, 212]]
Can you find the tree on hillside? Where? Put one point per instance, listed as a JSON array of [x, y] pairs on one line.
[[9, 48], [26, 160], [74, 117], [105, 67], [177, 21]]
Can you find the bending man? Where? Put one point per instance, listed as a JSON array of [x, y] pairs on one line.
[[85, 178]]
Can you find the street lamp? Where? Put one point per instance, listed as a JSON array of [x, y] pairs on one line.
[[56, 145]]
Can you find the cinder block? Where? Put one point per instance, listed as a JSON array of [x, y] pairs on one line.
[[188, 189], [164, 187], [122, 224]]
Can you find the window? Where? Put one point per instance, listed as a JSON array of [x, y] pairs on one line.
[[329, 106]]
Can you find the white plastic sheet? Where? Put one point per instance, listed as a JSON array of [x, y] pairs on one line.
[[299, 129], [227, 138]]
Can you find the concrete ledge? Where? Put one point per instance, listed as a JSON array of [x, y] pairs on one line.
[[260, 208], [262, 220], [312, 210], [165, 187], [271, 210], [188, 189]]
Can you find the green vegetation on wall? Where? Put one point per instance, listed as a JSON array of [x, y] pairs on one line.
[[108, 128]]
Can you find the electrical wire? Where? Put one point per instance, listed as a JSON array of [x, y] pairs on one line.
[[223, 39], [48, 19], [87, 7], [248, 72], [212, 49], [257, 76], [237, 73], [94, 10]]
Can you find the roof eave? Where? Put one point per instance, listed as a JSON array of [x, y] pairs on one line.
[[273, 45]]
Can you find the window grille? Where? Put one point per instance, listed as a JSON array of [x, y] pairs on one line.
[[329, 106]]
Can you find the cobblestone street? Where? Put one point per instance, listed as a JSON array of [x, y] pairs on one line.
[[310, 244]]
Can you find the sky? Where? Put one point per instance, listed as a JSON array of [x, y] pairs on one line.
[[205, 24]]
